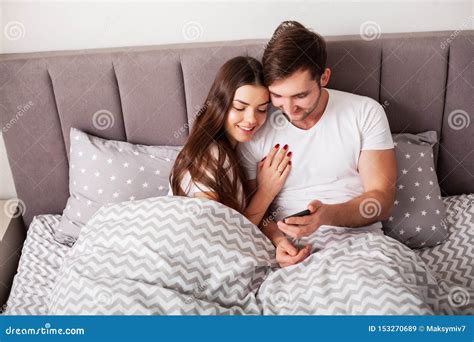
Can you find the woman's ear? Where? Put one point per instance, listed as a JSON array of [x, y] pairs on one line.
[[325, 77]]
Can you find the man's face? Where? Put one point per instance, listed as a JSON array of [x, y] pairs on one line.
[[297, 95]]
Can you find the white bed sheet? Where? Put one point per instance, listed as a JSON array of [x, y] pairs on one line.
[[42, 257]]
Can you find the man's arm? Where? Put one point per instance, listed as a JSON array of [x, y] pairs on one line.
[[378, 171]]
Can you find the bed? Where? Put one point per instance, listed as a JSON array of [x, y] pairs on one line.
[[451, 261], [154, 92]]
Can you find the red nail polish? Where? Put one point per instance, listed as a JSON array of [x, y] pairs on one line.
[[289, 154], [263, 158], [277, 145], [285, 147], [289, 163]]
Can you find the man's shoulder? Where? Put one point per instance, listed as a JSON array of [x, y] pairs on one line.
[[358, 107], [352, 98]]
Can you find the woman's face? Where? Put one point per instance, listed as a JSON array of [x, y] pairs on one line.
[[247, 113]]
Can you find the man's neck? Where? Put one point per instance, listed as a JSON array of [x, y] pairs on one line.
[[313, 118]]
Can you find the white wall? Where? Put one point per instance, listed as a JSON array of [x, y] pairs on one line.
[[63, 25]]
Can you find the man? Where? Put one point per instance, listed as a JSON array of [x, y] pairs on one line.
[[343, 161]]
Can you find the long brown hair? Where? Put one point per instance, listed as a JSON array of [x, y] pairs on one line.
[[222, 175]]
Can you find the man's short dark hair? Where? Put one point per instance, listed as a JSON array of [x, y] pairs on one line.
[[293, 47]]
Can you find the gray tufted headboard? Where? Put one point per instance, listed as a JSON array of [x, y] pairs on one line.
[[152, 93]]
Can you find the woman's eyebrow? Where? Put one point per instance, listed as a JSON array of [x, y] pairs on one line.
[[245, 103]]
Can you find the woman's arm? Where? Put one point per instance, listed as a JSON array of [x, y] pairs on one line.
[[258, 209], [255, 212], [258, 205], [272, 232]]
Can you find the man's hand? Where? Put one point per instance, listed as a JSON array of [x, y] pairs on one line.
[[287, 254], [378, 171], [297, 227]]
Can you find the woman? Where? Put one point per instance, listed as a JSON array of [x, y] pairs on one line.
[[208, 167]]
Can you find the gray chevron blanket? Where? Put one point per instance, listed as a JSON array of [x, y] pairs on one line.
[[177, 255]]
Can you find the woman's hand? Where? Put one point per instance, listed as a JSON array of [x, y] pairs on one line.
[[273, 170], [287, 254]]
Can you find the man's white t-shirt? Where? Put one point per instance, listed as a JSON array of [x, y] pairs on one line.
[[325, 157]]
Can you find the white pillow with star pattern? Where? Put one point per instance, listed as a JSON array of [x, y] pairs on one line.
[[106, 171], [418, 215]]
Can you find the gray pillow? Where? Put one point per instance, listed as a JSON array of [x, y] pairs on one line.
[[105, 172], [418, 215]]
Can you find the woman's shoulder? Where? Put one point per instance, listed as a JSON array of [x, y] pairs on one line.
[[218, 152], [214, 150]]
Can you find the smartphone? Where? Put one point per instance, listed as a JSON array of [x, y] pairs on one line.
[[301, 213]]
